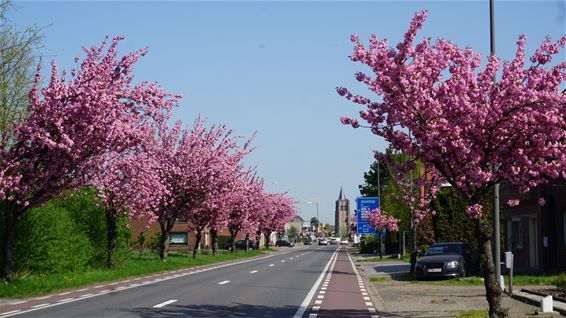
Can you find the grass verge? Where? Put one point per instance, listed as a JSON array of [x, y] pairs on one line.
[[405, 258], [471, 314], [26, 285], [519, 280], [377, 279]]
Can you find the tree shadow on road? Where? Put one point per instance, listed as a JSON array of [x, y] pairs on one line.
[[238, 310]]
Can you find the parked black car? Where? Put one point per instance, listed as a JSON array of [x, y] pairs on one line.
[[452, 259], [284, 243], [241, 245]]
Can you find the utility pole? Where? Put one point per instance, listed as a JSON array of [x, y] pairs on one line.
[[496, 232]]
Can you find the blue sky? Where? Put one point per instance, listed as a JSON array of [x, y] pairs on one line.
[[273, 67]]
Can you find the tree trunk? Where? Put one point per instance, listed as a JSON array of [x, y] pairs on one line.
[[267, 239], [233, 241], [12, 218], [413, 244], [214, 237], [163, 242], [197, 242], [247, 242], [111, 235], [492, 290]]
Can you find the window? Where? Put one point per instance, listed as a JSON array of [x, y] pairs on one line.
[[179, 238], [181, 219], [564, 226], [517, 234]]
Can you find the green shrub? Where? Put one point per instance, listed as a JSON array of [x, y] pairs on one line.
[[66, 234], [48, 241], [222, 241], [560, 282], [368, 243]]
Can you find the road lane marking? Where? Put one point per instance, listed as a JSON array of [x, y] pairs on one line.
[[271, 265], [372, 310], [40, 305], [369, 303], [224, 282], [11, 312], [18, 302], [312, 315], [165, 303], [304, 305], [44, 297], [282, 261], [64, 300], [253, 272], [134, 285], [315, 308]]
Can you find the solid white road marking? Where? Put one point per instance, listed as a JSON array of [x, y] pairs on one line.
[[11, 312], [310, 295], [64, 300], [165, 303], [44, 297], [224, 282], [18, 302], [253, 272], [86, 295], [62, 294], [40, 305], [80, 290]]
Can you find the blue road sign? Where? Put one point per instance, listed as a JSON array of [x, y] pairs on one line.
[[364, 206]]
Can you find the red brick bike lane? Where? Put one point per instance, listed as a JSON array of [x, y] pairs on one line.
[[342, 293]]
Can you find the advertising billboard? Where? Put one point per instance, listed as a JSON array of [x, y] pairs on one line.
[[364, 206]]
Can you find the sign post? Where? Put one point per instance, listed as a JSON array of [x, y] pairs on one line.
[[364, 206]]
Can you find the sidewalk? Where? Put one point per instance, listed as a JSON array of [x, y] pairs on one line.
[[396, 295], [343, 293]]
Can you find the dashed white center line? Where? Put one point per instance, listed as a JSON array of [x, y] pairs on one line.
[[165, 303], [253, 272], [282, 261], [224, 282], [271, 265]]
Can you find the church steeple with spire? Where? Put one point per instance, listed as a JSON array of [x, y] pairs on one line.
[[342, 215]]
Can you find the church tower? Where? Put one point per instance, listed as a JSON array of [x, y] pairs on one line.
[[342, 215]]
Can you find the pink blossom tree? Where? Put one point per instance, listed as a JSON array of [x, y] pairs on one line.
[[416, 188], [69, 122], [224, 167], [194, 165], [475, 128], [277, 209]]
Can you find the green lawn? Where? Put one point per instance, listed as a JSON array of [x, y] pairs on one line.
[[377, 279], [471, 314], [25, 285], [406, 258]]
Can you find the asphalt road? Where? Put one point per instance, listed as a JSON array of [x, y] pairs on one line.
[[269, 287]]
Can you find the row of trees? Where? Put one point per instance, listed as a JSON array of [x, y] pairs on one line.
[[97, 128], [474, 128]]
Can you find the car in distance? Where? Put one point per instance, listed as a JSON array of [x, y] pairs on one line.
[[334, 240], [322, 241], [280, 243], [451, 259], [344, 241], [241, 245]]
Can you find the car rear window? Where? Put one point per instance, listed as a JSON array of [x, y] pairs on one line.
[[443, 250]]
